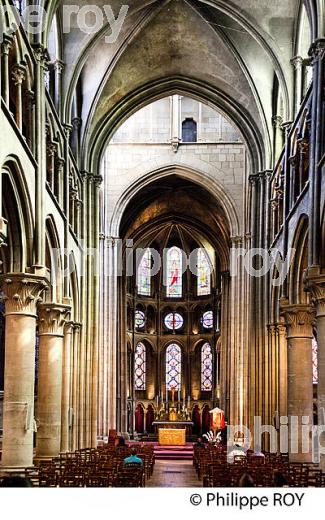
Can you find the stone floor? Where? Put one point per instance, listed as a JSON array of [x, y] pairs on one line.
[[174, 474]]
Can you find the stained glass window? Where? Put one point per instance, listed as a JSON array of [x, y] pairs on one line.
[[207, 320], [174, 272], [140, 367], [144, 274], [173, 367], [206, 368], [315, 361], [174, 321], [203, 273], [139, 319]]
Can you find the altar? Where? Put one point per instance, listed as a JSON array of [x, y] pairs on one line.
[[172, 436], [173, 425]]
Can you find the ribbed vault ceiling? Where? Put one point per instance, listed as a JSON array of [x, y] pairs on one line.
[[236, 47]]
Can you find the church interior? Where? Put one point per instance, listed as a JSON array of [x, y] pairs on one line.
[[162, 243]]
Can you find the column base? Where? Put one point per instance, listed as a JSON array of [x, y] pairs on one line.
[[39, 459], [6, 471]]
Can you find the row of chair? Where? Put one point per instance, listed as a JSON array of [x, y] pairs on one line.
[[94, 467], [214, 468]]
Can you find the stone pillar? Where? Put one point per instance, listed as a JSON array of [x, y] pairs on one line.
[[21, 292], [175, 121], [317, 55], [75, 385], [5, 48], [66, 375], [277, 122], [297, 63], [29, 101], [52, 318], [59, 181], [18, 76], [299, 322], [282, 369], [58, 68], [41, 57], [76, 124], [112, 296], [316, 286]]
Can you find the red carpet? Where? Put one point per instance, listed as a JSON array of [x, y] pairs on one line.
[[174, 452]]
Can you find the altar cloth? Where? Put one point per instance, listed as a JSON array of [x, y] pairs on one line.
[[172, 436]]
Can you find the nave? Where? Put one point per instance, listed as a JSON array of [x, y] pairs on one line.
[[209, 465]]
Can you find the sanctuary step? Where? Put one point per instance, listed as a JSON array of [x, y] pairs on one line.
[[174, 452]]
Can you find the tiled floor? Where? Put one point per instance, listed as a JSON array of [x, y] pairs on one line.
[[174, 474]]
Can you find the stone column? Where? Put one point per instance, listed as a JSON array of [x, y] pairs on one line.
[[299, 322], [282, 369], [18, 76], [21, 293], [75, 144], [317, 55], [59, 181], [175, 121], [297, 63], [316, 286], [29, 100], [75, 385], [5, 48], [277, 122], [66, 371], [52, 318], [41, 57], [58, 69]]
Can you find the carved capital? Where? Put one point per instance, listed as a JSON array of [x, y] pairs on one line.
[[236, 241], [29, 95], [52, 319], [60, 165], [303, 146], [59, 66], [98, 179], [299, 320], [77, 328], [18, 74], [41, 55], [76, 123], [281, 330], [277, 122], [67, 130], [253, 179], [315, 285], [68, 327], [175, 142], [51, 149], [272, 330], [7, 43], [22, 293], [286, 127], [317, 50], [297, 62]]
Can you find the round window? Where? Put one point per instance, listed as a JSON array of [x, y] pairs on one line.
[[207, 320], [174, 321], [139, 319]]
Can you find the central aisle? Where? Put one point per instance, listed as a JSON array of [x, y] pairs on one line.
[[174, 474]]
